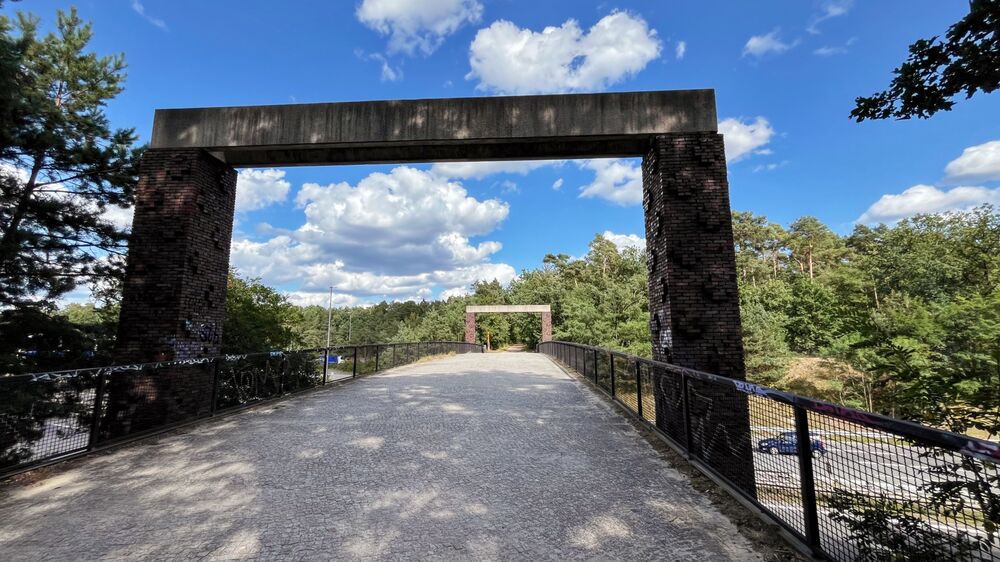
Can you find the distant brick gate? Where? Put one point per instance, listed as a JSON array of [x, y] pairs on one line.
[[543, 309], [174, 294]]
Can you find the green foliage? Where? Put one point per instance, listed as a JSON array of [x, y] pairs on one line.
[[258, 318], [936, 71], [61, 165]]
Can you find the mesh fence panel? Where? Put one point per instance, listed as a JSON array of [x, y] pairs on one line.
[[146, 400], [775, 460], [47, 417], [870, 492], [625, 383], [880, 494], [648, 399], [604, 370]]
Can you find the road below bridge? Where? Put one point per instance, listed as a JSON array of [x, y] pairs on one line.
[[478, 456]]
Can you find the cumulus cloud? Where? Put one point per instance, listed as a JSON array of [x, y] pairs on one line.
[[400, 234], [761, 45], [417, 25], [743, 138], [256, 189], [119, 216], [976, 163], [557, 185], [623, 241], [617, 180], [302, 298], [506, 58], [927, 199], [480, 170], [828, 10]]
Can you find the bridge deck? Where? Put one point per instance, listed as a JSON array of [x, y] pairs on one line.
[[494, 456]]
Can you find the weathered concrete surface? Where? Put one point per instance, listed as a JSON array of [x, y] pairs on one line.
[[481, 128], [508, 308], [496, 456]]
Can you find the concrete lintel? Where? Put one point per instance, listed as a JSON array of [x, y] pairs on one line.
[[482, 128], [508, 308]]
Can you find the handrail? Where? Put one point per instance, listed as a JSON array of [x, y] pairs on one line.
[[979, 448]]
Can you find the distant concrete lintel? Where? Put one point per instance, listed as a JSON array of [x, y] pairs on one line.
[[508, 308], [427, 130]]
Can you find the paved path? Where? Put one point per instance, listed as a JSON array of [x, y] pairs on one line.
[[497, 456]]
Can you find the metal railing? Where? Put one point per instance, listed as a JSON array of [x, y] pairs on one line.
[[844, 484], [57, 415]]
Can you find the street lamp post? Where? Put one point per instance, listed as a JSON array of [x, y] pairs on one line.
[[329, 317]]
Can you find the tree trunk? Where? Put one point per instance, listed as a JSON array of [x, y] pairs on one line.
[[8, 244]]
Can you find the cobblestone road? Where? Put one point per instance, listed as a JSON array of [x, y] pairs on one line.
[[497, 456]]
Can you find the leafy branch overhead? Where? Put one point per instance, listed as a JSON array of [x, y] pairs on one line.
[[966, 62]]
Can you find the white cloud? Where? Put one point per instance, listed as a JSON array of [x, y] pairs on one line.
[[745, 138], [616, 180], [480, 170], [623, 241], [119, 216], [141, 10], [557, 185], [927, 199], [769, 167], [302, 298], [680, 50], [760, 45], [390, 73], [829, 9], [256, 189], [456, 292], [977, 163], [831, 50], [401, 234], [506, 58], [417, 24]]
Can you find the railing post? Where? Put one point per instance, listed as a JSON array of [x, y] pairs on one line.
[[638, 389], [354, 367], [95, 424], [807, 483], [393, 355], [216, 368], [611, 361], [326, 363], [376, 356], [686, 412], [595, 366], [284, 372]]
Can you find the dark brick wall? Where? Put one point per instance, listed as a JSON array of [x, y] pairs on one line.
[[175, 290], [693, 298], [470, 327]]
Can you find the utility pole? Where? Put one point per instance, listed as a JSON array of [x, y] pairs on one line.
[[329, 317]]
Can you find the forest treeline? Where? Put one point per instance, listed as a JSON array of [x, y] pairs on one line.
[[901, 319]]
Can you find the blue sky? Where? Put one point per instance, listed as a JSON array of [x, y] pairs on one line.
[[785, 74]]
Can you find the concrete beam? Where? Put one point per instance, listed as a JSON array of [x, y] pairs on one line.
[[483, 128], [472, 309]]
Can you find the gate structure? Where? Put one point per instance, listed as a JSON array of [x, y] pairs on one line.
[[174, 293], [471, 311]]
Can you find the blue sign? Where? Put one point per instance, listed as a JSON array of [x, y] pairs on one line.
[[334, 359]]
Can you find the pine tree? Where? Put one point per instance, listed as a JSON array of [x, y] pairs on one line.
[[62, 167]]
